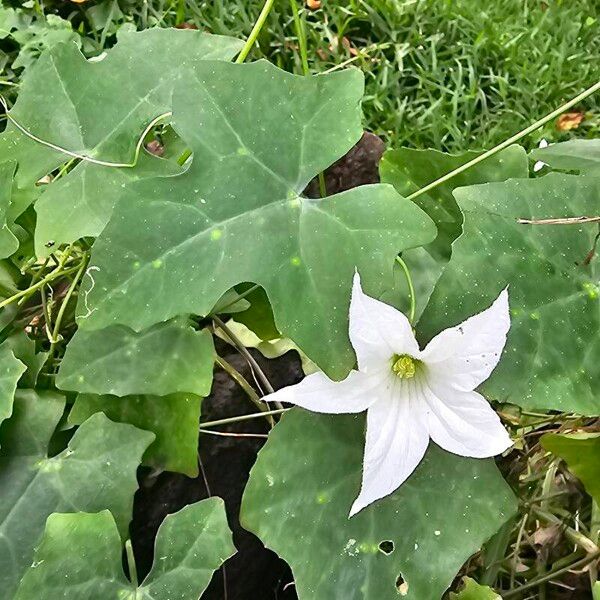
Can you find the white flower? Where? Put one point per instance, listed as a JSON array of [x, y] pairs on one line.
[[412, 394]]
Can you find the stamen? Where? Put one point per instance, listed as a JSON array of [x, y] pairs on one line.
[[404, 366]]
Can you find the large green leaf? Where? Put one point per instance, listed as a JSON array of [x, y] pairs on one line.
[[8, 241], [301, 489], [409, 170], [11, 369], [551, 356], [98, 109], [173, 419], [96, 471], [581, 452], [573, 155], [81, 204], [169, 357], [80, 557], [259, 135]]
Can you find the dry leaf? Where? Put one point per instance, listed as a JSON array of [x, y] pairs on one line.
[[569, 121]]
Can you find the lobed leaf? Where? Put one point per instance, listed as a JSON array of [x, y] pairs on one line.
[[551, 271], [169, 357], [80, 556], [259, 135], [97, 471], [413, 541], [173, 419], [99, 109]]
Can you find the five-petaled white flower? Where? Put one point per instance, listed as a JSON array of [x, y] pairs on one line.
[[412, 394]]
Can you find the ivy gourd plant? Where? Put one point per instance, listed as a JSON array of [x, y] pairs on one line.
[[118, 268]]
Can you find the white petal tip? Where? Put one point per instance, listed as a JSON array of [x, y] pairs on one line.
[[356, 508]]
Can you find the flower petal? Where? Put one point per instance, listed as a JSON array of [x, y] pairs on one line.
[[318, 393], [396, 442], [464, 356], [464, 423], [378, 330]]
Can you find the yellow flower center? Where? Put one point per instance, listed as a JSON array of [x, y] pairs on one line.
[[404, 366]]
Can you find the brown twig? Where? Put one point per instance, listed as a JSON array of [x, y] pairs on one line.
[[559, 221]]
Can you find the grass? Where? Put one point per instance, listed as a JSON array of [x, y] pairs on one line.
[[448, 74]]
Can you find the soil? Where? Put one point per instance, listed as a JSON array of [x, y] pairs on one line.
[[254, 573]]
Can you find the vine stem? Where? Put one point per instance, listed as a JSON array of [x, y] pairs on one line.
[[58, 272], [244, 352], [264, 13], [85, 157], [551, 575], [63, 306], [411, 289], [506, 143], [301, 35], [575, 537], [243, 383], [239, 418]]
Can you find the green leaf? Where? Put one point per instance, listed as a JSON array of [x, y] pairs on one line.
[[24, 349], [581, 452], [80, 556], [409, 170], [8, 241], [96, 471], [80, 205], [473, 591], [98, 109], [259, 316], [550, 359], [301, 489], [173, 419], [169, 357], [196, 541], [259, 135], [573, 155], [11, 369]]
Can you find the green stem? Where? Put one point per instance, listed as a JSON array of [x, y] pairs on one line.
[[551, 575], [46, 313], [131, 563], [239, 418], [58, 272], [243, 383], [411, 289], [264, 13], [301, 35], [244, 352], [63, 306], [506, 143]]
